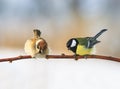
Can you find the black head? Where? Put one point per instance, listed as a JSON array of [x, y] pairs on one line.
[[72, 44]]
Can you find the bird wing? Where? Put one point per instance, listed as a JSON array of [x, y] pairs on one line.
[[29, 46], [87, 42], [91, 42], [83, 41]]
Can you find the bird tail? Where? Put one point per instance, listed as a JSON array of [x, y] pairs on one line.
[[93, 40], [98, 34]]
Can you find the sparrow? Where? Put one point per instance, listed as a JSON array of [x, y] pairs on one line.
[[83, 45], [37, 47]]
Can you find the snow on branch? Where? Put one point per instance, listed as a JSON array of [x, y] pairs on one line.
[[63, 56]]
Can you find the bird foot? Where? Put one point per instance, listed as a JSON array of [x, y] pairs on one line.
[[76, 57]]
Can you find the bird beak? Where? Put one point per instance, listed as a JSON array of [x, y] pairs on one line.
[[41, 51]]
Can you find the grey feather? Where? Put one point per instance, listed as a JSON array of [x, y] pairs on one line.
[[93, 40]]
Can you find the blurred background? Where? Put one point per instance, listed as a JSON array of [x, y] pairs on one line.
[[59, 20]]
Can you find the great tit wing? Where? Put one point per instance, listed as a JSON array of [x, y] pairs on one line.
[[91, 42], [83, 41]]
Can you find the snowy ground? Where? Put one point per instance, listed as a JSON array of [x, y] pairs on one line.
[[58, 74]]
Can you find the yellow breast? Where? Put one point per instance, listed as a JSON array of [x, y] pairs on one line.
[[82, 50]]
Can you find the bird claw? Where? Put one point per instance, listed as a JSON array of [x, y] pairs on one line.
[[76, 56]]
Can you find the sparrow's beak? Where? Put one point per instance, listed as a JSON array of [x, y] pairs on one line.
[[41, 51]]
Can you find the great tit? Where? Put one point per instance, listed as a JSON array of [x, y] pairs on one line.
[[36, 46], [83, 45]]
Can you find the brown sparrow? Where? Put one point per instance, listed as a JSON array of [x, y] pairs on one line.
[[36, 46]]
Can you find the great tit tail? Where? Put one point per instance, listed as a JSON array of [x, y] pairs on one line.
[[92, 40], [98, 34]]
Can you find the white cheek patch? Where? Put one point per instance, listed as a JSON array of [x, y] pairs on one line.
[[38, 41], [73, 43]]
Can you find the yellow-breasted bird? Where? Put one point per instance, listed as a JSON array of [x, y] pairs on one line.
[[83, 45], [36, 46]]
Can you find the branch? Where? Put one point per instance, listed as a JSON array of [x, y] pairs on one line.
[[81, 57], [61, 57], [15, 58]]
